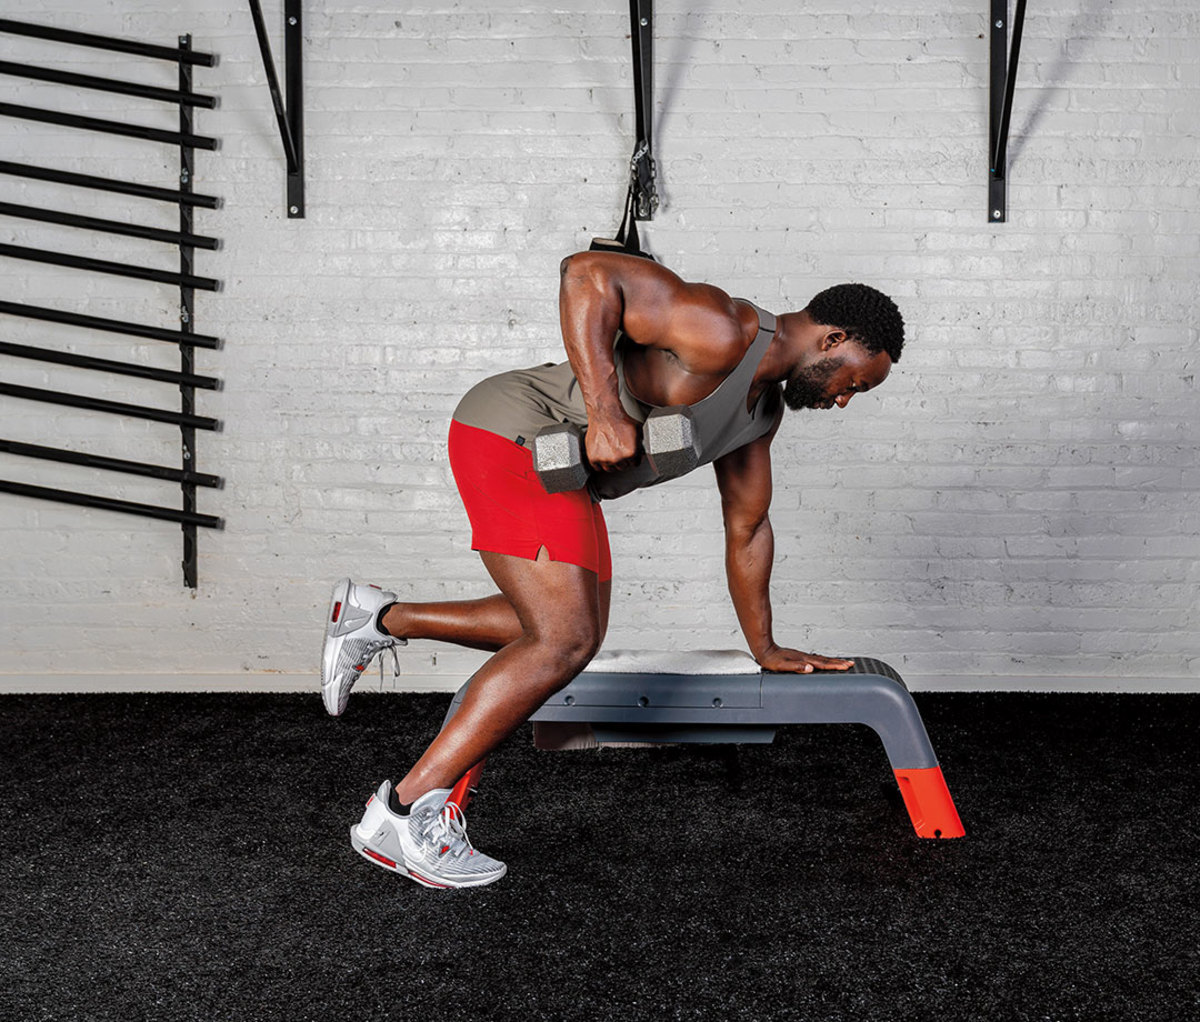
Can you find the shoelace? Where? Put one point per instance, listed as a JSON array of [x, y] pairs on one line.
[[448, 829], [395, 660]]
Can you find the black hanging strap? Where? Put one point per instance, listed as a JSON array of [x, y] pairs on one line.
[[641, 199], [626, 242], [641, 167]]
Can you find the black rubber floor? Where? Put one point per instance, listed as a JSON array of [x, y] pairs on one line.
[[186, 857]]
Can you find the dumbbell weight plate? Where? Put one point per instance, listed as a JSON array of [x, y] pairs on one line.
[[558, 457], [671, 441]]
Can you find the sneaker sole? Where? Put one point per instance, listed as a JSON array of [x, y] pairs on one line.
[[385, 862]]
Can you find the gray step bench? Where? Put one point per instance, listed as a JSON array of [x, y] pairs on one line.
[[723, 696]]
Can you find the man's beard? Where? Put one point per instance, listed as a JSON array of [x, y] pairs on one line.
[[806, 389]]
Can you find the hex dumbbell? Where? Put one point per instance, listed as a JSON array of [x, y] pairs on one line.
[[559, 458], [668, 437], [671, 442]]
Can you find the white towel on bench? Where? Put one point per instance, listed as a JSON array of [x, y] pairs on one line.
[[659, 661]]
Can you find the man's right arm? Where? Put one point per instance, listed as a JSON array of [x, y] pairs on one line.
[[591, 306], [603, 292]]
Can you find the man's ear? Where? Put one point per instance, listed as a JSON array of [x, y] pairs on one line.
[[832, 338]]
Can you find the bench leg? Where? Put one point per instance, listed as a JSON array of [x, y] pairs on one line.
[[463, 791], [928, 802]]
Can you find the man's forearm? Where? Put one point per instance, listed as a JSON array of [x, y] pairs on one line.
[[749, 556]]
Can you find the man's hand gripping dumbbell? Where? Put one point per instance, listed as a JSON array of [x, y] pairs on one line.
[[564, 458]]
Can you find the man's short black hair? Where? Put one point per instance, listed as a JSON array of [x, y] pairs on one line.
[[868, 316]]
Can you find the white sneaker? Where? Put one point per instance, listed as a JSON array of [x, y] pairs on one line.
[[429, 845], [352, 640]]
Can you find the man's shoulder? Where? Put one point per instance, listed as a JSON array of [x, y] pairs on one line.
[[710, 332]]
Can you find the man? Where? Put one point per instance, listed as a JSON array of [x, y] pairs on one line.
[[676, 343]]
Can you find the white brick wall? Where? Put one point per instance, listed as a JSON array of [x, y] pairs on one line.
[[1017, 506]]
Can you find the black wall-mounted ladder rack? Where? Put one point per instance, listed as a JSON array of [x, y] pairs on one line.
[[186, 379]]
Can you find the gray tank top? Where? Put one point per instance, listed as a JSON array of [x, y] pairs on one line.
[[517, 404]]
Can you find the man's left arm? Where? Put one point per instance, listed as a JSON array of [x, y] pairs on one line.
[[744, 479]]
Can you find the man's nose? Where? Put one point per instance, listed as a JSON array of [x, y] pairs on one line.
[[842, 400]]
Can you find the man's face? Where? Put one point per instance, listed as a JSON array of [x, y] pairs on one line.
[[836, 378]]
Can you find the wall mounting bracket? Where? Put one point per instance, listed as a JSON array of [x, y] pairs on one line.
[[1003, 82], [289, 109]]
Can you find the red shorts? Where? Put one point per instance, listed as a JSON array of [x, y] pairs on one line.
[[511, 513]]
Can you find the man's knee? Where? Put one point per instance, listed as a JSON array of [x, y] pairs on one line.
[[576, 650], [571, 645]]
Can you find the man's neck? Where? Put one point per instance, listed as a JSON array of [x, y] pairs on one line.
[[778, 363]]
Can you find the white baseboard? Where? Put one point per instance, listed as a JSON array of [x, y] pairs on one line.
[[13, 684]]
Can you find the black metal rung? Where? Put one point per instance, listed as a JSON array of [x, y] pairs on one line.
[[54, 216], [123, 88], [137, 468], [110, 504], [108, 365], [112, 326], [30, 113], [106, 266], [107, 184], [101, 42], [97, 404]]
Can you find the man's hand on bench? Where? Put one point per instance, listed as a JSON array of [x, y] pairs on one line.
[[779, 658]]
